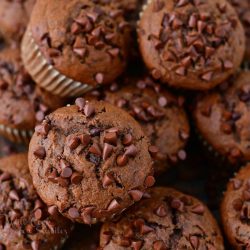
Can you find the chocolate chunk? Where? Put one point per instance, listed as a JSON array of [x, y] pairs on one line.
[[40, 153], [80, 103]]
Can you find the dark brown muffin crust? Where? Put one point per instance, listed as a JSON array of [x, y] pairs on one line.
[[26, 222], [90, 160], [243, 9], [235, 210], [222, 118], [14, 17], [160, 114], [83, 41], [168, 219], [23, 104], [191, 44]]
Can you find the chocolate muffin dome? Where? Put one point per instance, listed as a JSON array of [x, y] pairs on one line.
[[91, 161], [168, 219], [243, 9], [191, 44], [26, 222], [222, 118], [235, 210], [160, 114], [23, 104], [14, 18], [83, 44]]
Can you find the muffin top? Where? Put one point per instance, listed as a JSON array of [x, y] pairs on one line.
[[160, 114], [94, 156], [26, 222], [235, 209], [243, 9], [14, 17], [227, 113], [23, 103], [166, 219], [83, 41], [191, 44]]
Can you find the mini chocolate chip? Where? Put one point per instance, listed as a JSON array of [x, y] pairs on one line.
[[66, 172], [182, 155], [198, 209], [162, 101], [53, 210], [153, 150], [161, 211], [136, 245], [80, 103], [108, 179], [95, 149], [194, 240], [127, 139], [114, 205], [74, 143], [177, 204], [43, 129], [40, 152], [99, 77], [114, 52], [149, 181], [144, 229], [38, 214], [81, 52], [237, 184], [107, 151], [110, 138], [122, 160], [136, 195], [76, 178], [207, 76], [73, 213], [89, 110], [85, 139], [131, 151], [181, 71]]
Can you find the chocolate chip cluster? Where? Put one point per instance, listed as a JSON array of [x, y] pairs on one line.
[[189, 39], [23, 211]]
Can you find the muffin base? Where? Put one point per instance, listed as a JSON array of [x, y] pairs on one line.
[[45, 75], [15, 135]]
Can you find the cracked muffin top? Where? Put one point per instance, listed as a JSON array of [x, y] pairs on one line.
[[235, 209], [91, 160], [161, 115], [165, 219], [14, 17], [26, 222], [84, 41], [192, 44], [226, 110]]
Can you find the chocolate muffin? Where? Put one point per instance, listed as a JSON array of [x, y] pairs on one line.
[[235, 210], [26, 222], [191, 44], [23, 104], [167, 219], [222, 119], [14, 17], [160, 114], [243, 9], [83, 45], [91, 161]]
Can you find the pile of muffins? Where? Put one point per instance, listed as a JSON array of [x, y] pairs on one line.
[[109, 100]]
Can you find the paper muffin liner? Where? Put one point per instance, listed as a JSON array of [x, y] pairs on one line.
[[15, 135], [45, 75]]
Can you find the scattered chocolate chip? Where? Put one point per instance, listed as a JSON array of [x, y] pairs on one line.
[[108, 179], [95, 149], [153, 150], [35, 244], [127, 139], [161, 211], [53, 211], [159, 245], [66, 172], [89, 110], [114, 205], [73, 213], [194, 240], [122, 160], [74, 143], [38, 214], [136, 245], [40, 153], [111, 138], [136, 195], [198, 209], [99, 77], [177, 204], [107, 151], [43, 129], [131, 151], [149, 181], [76, 178], [80, 103], [14, 195], [144, 229]]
